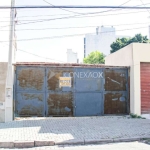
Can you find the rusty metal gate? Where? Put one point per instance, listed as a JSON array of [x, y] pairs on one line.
[[116, 97], [94, 91]]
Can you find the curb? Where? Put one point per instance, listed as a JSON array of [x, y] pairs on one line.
[[38, 143]]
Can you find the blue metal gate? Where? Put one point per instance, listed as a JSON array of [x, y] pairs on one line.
[[88, 91], [94, 91]]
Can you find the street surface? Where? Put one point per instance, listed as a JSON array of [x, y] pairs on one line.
[[65, 129]]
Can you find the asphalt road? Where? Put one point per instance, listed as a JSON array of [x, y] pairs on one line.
[[114, 146]]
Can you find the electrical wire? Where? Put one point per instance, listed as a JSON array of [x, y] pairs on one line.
[[38, 55], [88, 16], [73, 7], [73, 35], [75, 27], [34, 54], [61, 8], [68, 17], [145, 6]]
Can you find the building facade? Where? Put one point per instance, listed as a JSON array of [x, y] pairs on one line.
[[100, 41], [72, 57]]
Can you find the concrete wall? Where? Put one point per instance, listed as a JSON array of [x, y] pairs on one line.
[[141, 53], [132, 55], [3, 74]]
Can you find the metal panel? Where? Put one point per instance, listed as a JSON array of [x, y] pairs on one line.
[[59, 101], [115, 79], [145, 88], [30, 91], [115, 103], [59, 104], [88, 79], [52, 78], [30, 104], [88, 91], [30, 79], [116, 98], [88, 104]]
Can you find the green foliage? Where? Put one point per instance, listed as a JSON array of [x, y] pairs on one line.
[[94, 58], [136, 116], [120, 43]]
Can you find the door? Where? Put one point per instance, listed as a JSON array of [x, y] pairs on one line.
[[88, 93], [145, 88]]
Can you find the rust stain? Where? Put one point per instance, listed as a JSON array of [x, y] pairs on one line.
[[115, 104], [33, 96], [53, 78], [60, 104], [30, 110], [115, 81], [31, 78]]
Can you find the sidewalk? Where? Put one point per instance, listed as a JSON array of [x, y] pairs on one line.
[[82, 130]]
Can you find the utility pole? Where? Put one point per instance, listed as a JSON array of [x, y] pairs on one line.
[[10, 68]]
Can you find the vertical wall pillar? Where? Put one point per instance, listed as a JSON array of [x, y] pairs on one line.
[[10, 71]]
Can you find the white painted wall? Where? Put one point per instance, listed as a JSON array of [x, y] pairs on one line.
[[132, 55], [7, 107], [72, 57]]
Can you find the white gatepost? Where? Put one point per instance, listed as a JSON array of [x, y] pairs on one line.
[[10, 69]]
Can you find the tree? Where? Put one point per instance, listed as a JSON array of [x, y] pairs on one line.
[[120, 43], [94, 58]]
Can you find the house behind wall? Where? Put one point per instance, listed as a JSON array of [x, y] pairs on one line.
[[137, 56]]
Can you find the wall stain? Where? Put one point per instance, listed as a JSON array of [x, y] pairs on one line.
[[31, 78], [115, 81], [53, 78], [115, 103], [60, 104], [30, 110], [33, 96]]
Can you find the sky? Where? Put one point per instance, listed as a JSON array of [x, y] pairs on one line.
[[54, 50]]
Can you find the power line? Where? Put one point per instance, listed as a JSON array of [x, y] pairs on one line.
[[64, 14], [73, 7], [39, 55], [83, 13], [88, 12], [68, 17], [35, 54], [64, 36], [76, 27], [84, 16], [100, 11], [61, 8], [144, 6]]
